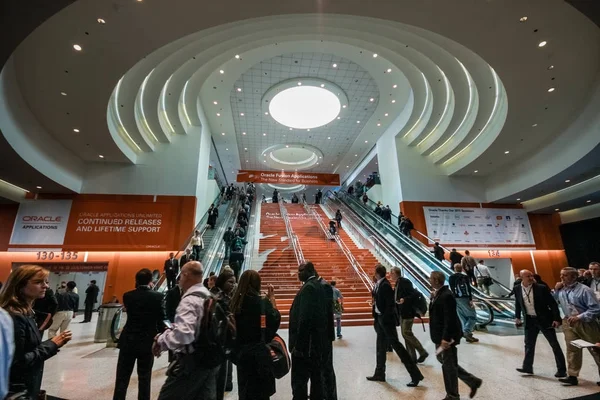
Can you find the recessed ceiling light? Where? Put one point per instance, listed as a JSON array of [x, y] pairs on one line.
[[366, 141], [519, 199], [264, 134], [371, 99], [542, 44], [100, 155], [290, 129], [393, 101], [551, 90], [347, 166], [239, 89], [356, 155], [241, 114], [77, 47], [223, 133], [243, 133], [386, 114], [63, 93], [101, 21], [76, 130], [322, 85], [395, 86], [334, 65], [534, 125], [287, 145], [476, 171], [389, 70], [308, 130], [551, 67], [556, 209], [38, 187], [317, 163], [339, 117], [328, 137], [246, 160], [245, 148], [299, 83], [237, 56], [358, 122], [218, 114], [523, 19], [221, 71], [378, 124], [215, 103], [344, 106], [227, 149], [567, 181], [266, 113], [264, 160], [332, 165], [506, 152], [375, 55], [589, 201]]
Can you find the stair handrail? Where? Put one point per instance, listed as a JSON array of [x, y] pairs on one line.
[[294, 243]]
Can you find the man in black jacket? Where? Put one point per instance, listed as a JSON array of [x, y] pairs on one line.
[[445, 332], [438, 251], [186, 257], [309, 334], [455, 257], [406, 295], [145, 316], [541, 315], [384, 312], [228, 238], [91, 298], [327, 372], [171, 270]]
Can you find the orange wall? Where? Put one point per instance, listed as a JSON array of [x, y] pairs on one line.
[[122, 266]]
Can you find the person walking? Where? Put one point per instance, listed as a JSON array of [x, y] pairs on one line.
[[405, 296], [26, 284], [338, 218], [483, 276], [384, 312], [468, 263], [228, 237], [189, 376], [197, 244], [255, 379], [91, 298], [455, 257], [445, 332], [68, 304], [582, 312], [438, 252], [541, 314], [460, 286], [308, 330], [145, 316], [338, 308], [171, 270], [186, 257]]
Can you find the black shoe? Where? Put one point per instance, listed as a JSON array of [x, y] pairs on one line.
[[415, 382], [229, 388], [376, 378], [474, 388], [598, 383], [560, 374], [422, 358], [525, 371], [390, 350], [569, 381]]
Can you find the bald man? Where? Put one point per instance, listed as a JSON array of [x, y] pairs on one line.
[[540, 315]]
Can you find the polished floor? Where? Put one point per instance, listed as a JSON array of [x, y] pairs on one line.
[[86, 370]]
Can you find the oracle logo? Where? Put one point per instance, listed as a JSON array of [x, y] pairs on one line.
[[41, 218]]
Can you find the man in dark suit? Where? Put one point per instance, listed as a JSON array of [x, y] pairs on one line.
[[91, 298], [186, 257], [541, 315], [386, 318], [328, 373], [309, 334], [171, 270], [145, 316], [445, 331]]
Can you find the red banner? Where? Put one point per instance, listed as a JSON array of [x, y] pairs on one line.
[[289, 178]]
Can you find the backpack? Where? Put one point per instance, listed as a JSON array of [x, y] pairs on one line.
[[420, 305], [462, 286], [238, 244], [217, 331]]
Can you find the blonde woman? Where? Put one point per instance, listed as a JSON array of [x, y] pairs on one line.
[[26, 284]]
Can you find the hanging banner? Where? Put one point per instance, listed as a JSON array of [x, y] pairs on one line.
[[478, 226], [41, 222], [298, 178], [118, 225]]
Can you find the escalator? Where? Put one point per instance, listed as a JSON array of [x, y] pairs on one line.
[[415, 257]]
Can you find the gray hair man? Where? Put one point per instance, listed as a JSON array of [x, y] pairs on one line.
[[581, 309], [191, 379]]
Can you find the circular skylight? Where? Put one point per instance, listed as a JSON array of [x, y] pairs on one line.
[[305, 107]]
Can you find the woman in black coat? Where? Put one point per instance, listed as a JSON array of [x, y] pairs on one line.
[[24, 286], [255, 379], [223, 290]]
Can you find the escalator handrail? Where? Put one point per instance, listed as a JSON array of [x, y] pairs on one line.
[[113, 325]]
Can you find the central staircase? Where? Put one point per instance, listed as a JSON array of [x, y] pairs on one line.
[[280, 266]]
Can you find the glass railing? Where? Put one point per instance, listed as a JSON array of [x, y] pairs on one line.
[[369, 239], [412, 251]]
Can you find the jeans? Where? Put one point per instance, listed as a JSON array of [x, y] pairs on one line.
[[61, 320], [532, 329], [467, 315], [483, 286], [387, 334], [127, 359], [410, 340], [196, 252], [198, 384], [338, 324], [453, 372]]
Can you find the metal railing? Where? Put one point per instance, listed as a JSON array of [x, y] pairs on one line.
[[293, 238]]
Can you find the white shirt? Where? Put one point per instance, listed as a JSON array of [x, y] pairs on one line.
[[528, 300], [482, 271]]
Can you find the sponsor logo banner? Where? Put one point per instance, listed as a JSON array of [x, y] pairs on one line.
[[451, 225], [292, 178], [41, 222]]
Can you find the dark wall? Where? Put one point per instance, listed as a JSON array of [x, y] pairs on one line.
[[582, 242]]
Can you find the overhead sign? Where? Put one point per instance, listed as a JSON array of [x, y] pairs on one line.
[[41, 222], [297, 178], [118, 225], [478, 226]]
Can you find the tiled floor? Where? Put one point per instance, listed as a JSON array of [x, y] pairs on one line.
[[86, 370]]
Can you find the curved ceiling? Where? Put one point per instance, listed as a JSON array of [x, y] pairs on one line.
[[481, 101]]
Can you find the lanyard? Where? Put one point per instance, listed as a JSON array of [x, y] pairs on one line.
[[527, 292]]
